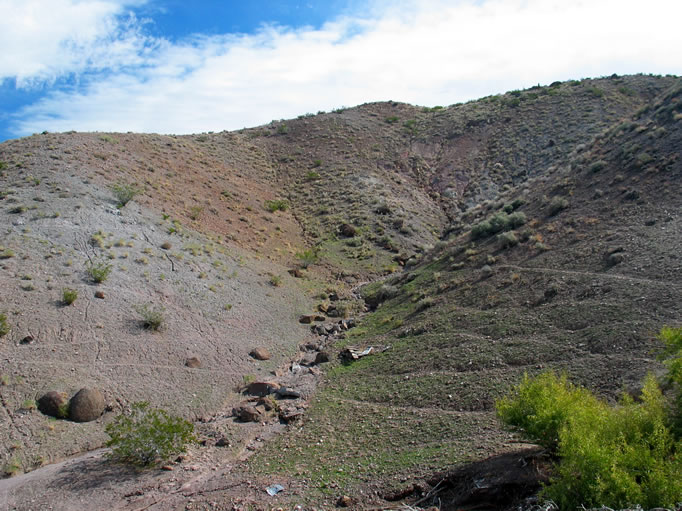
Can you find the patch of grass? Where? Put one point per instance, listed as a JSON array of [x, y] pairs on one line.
[[152, 316], [148, 436], [275, 280], [7, 253], [4, 326], [307, 257], [69, 295]]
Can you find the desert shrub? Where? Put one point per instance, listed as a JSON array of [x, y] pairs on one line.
[[481, 230], [148, 436], [124, 193], [374, 297], [616, 456], [276, 205], [672, 358], [513, 206], [597, 166], [307, 257], [312, 175], [6, 253], [507, 239], [98, 271], [275, 280], [499, 222], [152, 316], [557, 204], [69, 295], [4, 326]]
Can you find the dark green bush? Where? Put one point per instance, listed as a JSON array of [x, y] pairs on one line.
[[124, 193], [69, 295], [148, 436], [616, 456], [672, 355], [499, 222]]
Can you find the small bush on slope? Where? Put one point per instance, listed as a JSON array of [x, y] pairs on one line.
[[616, 456], [148, 436]]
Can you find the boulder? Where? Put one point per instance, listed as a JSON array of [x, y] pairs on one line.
[[261, 388], [87, 405], [322, 357], [246, 413], [260, 354], [193, 362], [54, 404], [348, 230], [306, 319]]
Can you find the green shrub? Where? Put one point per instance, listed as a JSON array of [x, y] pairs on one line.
[[507, 239], [312, 175], [597, 166], [275, 280], [307, 257], [124, 193], [557, 204], [6, 253], [672, 355], [4, 327], [276, 205], [69, 295], [498, 223], [152, 316], [98, 271], [616, 456], [148, 436]]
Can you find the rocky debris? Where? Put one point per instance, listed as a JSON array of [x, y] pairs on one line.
[[291, 413], [261, 388], [54, 404], [87, 405], [347, 230], [260, 354], [296, 272], [486, 272], [99, 294], [29, 339], [307, 319], [615, 258], [193, 362], [287, 393], [222, 442], [344, 501], [322, 357], [246, 413], [352, 353], [334, 328]]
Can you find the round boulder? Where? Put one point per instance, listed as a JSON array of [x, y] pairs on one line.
[[260, 354], [54, 404], [87, 405]]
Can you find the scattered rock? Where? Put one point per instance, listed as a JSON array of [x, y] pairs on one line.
[[193, 362], [322, 357], [288, 414], [614, 257], [260, 354], [306, 319], [486, 271], [87, 405], [222, 442], [27, 340], [166, 245], [344, 501], [285, 392], [99, 294], [261, 388], [296, 272], [246, 413], [54, 404], [167, 468]]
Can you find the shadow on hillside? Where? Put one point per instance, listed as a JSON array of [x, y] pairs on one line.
[[91, 474]]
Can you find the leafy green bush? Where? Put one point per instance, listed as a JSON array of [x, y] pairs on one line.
[[307, 257], [152, 316], [124, 193], [616, 456], [672, 355], [4, 327], [498, 223], [148, 436], [276, 205], [507, 239], [557, 204], [98, 271], [69, 295]]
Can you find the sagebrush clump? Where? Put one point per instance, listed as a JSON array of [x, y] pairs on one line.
[[4, 326], [152, 316], [148, 436], [98, 271], [124, 193]]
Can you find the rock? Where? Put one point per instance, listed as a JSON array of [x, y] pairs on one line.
[[285, 392], [260, 354], [168, 468], [54, 404], [319, 329], [322, 357], [306, 319], [333, 297], [323, 307], [486, 271], [289, 414], [87, 405], [297, 273], [246, 413], [348, 230], [614, 259], [27, 340], [193, 362], [222, 442], [99, 294], [344, 501], [261, 388]]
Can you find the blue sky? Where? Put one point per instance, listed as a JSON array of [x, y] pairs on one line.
[[172, 66]]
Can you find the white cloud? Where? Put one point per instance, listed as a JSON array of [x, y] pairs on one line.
[[422, 52]]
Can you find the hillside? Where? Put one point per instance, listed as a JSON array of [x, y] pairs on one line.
[[577, 267]]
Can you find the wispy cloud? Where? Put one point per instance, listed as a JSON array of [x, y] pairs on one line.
[[424, 52]]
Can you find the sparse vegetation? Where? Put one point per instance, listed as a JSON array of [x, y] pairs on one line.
[[124, 193], [498, 223], [4, 326], [69, 295], [148, 436], [152, 316], [557, 204], [275, 280], [308, 257], [277, 205], [99, 271]]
